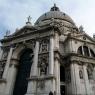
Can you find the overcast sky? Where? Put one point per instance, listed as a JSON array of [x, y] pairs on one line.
[[14, 13]]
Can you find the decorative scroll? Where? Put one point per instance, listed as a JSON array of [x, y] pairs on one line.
[[43, 64], [44, 45], [2, 66]]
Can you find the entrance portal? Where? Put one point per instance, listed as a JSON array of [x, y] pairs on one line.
[[23, 74], [62, 80]]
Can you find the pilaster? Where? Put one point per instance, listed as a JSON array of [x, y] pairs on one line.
[[57, 75]]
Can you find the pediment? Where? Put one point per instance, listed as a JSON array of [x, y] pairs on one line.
[[24, 30], [85, 37]]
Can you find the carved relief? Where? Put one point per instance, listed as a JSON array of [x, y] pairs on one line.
[[2, 66], [43, 64], [5, 53], [80, 71], [44, 45]]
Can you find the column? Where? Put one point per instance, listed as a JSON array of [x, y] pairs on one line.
[[35, 62], [11, 78], [51, 56], [7, 63], [77, 78], [87, 89], [73, 80], [57, 75]]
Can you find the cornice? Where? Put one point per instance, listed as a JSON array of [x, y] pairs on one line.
[[38, 30], [76, 39], [72, 57], [40, 78]]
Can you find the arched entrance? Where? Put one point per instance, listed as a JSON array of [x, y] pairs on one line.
[[24, 68]]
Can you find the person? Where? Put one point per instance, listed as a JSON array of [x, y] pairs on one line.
[[54, 92], [50, 93]]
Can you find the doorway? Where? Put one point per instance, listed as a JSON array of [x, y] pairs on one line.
[[23, 73], [62, 80]]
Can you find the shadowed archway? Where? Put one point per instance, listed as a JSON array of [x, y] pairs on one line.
[[23, 73]]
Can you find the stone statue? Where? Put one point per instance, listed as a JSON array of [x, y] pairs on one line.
[[43, 67], [29, 20], [81, 74], [81, 29]]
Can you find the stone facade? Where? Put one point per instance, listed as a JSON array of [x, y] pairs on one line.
[[61, 58]]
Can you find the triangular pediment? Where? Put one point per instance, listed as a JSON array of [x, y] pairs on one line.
[[24, 30], [85, 37]]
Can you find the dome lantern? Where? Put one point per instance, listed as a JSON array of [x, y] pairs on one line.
[[54, 8]]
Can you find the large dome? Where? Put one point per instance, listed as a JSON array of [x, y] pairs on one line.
[[57, 15]]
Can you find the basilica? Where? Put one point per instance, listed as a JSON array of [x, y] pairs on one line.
[[51, 57]]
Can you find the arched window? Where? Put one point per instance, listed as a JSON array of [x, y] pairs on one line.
[[80, 50], [92, 53], [86, 51]]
